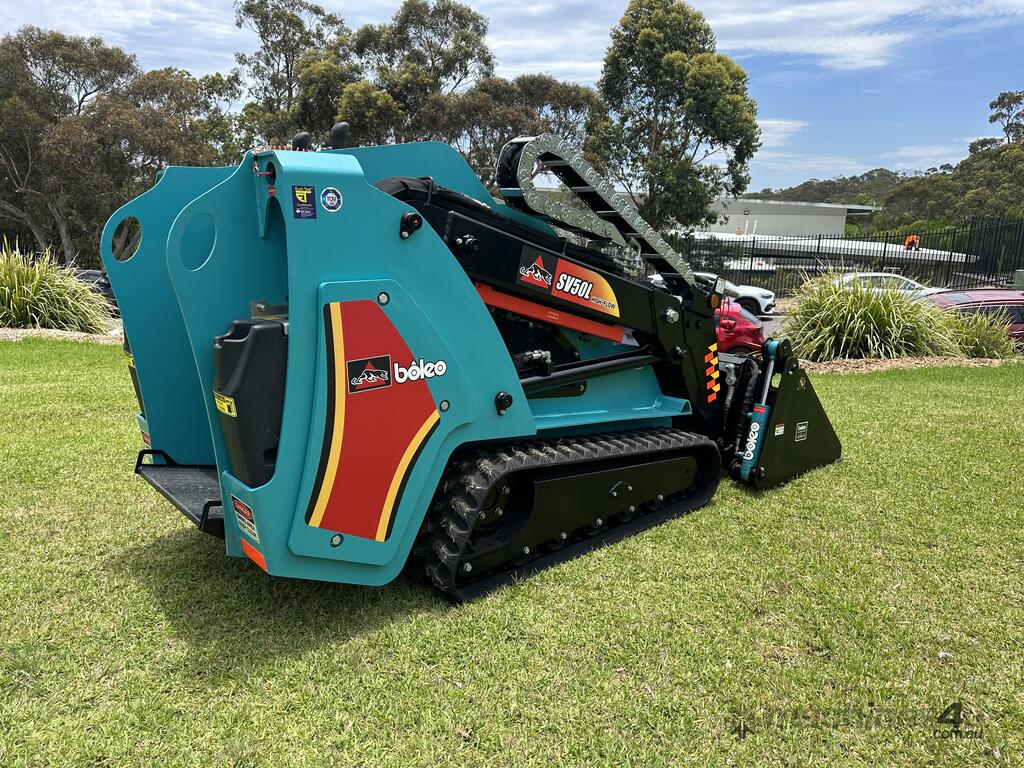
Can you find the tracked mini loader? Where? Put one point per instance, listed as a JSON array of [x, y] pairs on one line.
[[354, 359]]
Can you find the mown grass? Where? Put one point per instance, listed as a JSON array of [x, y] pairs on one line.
[[826, 623]]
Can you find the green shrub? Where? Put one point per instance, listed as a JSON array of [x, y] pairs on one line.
[[982, 335], [36, 292], [849, 320], [833, 320]]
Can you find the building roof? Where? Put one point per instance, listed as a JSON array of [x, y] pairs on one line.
[[850, 208]]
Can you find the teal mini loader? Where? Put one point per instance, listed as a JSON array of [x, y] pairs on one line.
[[354, 361]]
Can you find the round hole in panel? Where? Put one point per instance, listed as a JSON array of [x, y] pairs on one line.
[[198, 240], [126, 240]]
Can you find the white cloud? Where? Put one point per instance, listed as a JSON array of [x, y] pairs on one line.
[[847, 34], [915, 157], [778, 131], [821, 166], [774, 155], [565, 37]]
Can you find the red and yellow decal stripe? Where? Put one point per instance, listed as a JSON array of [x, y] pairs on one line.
[[335, 429], [401, 473], [372, 436]]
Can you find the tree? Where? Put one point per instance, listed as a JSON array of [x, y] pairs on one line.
[[374, 116], [1008, 110], [680, 126], [83, 130], [427, 48], [480, 121], [323, 76], [563, 108], [47, 78], [287, 30]]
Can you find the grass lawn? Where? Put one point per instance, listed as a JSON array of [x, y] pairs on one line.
[[826, 623]]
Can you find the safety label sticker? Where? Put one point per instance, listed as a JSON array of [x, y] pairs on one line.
[[246, 522], [304, 202], [780, 429], [225, 404], [801, 431], [330, 199]]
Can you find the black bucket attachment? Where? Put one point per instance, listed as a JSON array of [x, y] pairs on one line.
[[784, 430]]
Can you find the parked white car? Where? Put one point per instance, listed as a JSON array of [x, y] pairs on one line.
[[757, 301], [879, 281]]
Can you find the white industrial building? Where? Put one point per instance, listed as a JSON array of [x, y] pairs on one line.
[[751, 216]]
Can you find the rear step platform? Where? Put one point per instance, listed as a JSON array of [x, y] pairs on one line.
[[193, 489]]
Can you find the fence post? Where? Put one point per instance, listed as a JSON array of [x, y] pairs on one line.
[[949, 260], [750, 269], [970, 246]]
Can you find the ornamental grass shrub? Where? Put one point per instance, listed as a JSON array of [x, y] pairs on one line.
[[834, 320], [37, 292]]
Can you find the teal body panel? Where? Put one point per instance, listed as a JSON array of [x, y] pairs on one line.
[[175, 416], [219, 239]]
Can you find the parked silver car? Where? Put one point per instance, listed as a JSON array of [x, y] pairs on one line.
[[879, 281]]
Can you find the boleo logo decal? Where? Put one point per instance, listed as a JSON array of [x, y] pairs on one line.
[[420, 369], [369, 373], [378, 372]]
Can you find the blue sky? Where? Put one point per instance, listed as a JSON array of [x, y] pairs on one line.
[[842, 86]]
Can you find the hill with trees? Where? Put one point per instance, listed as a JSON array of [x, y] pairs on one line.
[[869, 188], [988, 183]]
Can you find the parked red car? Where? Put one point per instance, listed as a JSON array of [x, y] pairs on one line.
[[738, 331], [988, 301]]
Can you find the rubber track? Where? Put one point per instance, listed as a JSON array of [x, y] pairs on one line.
[[449, 524]]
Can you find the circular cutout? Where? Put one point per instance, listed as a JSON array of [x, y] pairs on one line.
[[197, 242], [126, 240]]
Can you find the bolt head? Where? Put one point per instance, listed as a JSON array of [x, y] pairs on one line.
[[632, 508], [444, 406], [599, 521], [661, 497], [383, 298], [467, 567], [563, 535], [336, 540], [499, 512], [526, 550], [404, 235]]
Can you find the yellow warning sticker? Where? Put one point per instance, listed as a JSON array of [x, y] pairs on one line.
[[130, 358], [225, 404]]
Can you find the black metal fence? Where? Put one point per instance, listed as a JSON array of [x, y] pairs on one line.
[[982, 253]]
